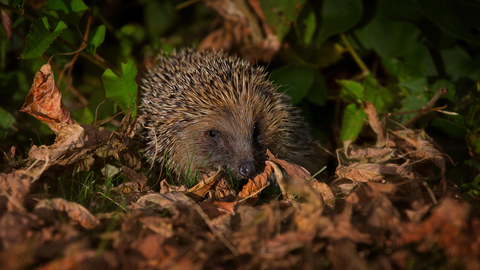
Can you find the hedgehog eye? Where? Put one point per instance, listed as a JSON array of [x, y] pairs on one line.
[[212, 133]]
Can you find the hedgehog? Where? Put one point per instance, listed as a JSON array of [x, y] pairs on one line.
[[206, 109]]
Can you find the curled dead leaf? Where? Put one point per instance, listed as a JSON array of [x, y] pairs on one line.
[[44, 101], [46, 209]]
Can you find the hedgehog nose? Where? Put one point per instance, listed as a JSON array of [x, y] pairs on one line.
[[248, 168]]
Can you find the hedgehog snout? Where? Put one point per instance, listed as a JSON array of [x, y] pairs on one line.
[[248, 169]]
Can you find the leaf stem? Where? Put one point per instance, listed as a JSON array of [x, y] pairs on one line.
[[354, 54]]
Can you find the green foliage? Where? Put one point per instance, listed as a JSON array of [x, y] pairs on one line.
[[122, 89], [6, 119], [40, 37], [281, 14], [338, 16]]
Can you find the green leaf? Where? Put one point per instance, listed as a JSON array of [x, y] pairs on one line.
[[380, 98], [294, 80], [416, 86], [67, 6], [338, 16], [6, 119], [40, 37], [419, 62], [95, 39], [389, 38], [310, 23], [417, 98], [353, 120], [122, 90], [67, 10], [318, 92], [457, 62], [281, 14], [458, 18], [351, 90]]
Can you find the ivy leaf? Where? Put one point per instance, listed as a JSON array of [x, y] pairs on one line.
[[122, 90], [67, 10], [294, 80], [339, 16], [353, 120], [6, 119], [95, 39], [281, 14], [41, 36]]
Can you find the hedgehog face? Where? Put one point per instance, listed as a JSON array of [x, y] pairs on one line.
[[234, 146]]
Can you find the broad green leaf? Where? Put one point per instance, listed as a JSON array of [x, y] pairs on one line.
[[281, 14], [415, 86], [379, 97], [294, 80], [444, 83], [353, 120], [351, 90], [69, 11], [458, 18], [95, 39], [338, 16], [419, 62], [40, 37], [394, 66], [457, 62], [67, 6], [389, 38], [6, 119], [310, 23], [123, 89], [318, 92]]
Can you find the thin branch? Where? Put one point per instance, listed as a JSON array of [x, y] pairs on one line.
[[441, 91], [354, 54]]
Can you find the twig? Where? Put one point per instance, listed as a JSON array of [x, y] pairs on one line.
[[214, 231], [354, 54], [441, 91], [430, 192]]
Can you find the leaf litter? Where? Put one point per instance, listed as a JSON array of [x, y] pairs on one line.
[[379, 212]]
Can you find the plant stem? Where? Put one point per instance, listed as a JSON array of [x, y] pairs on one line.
[[354, 54]]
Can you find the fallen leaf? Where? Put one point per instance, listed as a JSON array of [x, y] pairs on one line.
[[47, 209], [44, 101]]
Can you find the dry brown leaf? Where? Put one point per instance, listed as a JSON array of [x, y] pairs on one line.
[[375, 124], [244, 27], [199, 190], [7, 22], [372, 172], [163, 200], [253, 187], [224, 192], [44, 101], [47, 208], [165, 187], [158, 225], [215, 209], [84, 259]]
